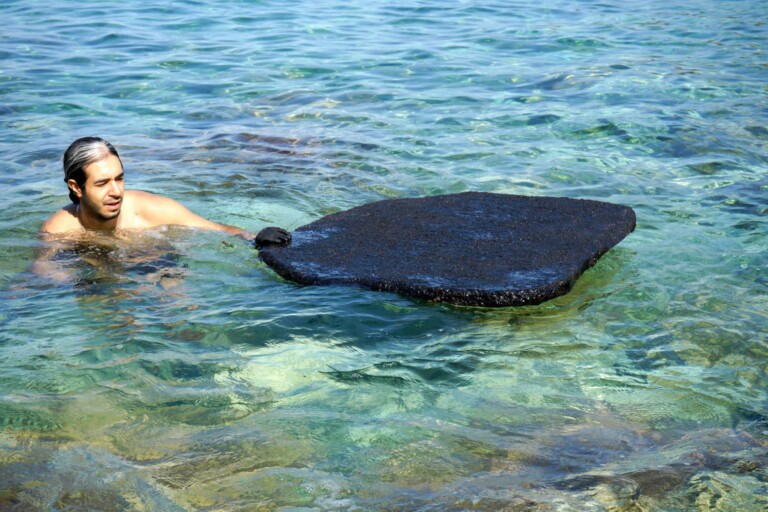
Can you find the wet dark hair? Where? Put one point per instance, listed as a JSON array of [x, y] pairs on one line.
[[82, 153]]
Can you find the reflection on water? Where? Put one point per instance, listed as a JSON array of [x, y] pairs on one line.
[[94, 262], [152, 397]]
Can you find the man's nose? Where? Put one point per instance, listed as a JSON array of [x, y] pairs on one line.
[[114, 189]]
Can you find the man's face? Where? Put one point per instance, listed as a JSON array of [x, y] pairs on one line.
[[102, 194]]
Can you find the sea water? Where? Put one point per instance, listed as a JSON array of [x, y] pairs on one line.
[[172, 370]]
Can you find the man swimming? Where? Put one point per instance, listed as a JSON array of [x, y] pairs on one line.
[[94, 174]]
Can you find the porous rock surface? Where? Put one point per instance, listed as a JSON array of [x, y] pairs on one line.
[[472, 248]]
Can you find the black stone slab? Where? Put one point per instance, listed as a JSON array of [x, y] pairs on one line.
[[474, 248]]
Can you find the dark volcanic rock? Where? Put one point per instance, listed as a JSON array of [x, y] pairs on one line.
[[474, 248]]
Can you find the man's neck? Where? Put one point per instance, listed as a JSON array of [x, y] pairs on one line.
[[94, 223]]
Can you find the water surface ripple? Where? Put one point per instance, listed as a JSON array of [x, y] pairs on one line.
[[170, 370]]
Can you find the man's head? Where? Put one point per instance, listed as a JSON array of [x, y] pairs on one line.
[[94, 175], [79, 155]]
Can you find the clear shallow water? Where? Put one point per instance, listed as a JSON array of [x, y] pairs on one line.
[[173, 371]]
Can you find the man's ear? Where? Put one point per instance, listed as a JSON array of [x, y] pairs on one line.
[[74, 187]]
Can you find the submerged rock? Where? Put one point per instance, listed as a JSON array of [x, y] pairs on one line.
[[715, 469], [473, 248]]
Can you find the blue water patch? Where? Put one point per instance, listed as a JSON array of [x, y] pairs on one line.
[[177, 371]]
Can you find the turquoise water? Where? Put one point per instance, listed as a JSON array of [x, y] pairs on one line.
[[171, 370]]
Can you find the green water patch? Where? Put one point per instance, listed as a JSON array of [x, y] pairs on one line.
[[202, 408], [28, 418], [218, 462], [75, 478], [270, 488]]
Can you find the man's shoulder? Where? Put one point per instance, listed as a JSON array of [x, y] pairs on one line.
[[147, 203], [152, 209], [141, 196], [62, 221]]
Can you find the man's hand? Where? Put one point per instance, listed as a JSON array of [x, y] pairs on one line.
[[272, 236]]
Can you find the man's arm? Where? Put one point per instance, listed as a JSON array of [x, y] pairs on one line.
[[44, 264], [160, 210]]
